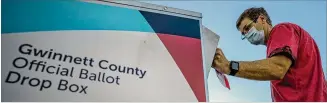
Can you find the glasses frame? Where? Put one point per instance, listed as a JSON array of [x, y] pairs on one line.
[[247, 28]]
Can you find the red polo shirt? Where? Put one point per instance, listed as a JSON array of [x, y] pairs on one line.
[[305, 79]]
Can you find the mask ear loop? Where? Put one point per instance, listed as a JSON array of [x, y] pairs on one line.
[[255, 21], [256, 24]]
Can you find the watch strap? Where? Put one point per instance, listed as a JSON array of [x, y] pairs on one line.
[[233, 71]]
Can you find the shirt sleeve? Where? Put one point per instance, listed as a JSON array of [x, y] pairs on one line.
[[283, 41]]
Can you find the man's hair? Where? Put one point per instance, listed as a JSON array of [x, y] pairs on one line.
[[253, 13]]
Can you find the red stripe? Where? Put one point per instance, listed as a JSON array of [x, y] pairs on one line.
[[188, 56], [226, 82]]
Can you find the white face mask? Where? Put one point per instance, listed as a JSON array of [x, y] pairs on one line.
[[255, 37]]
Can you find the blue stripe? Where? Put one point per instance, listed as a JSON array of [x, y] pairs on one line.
[[50, 15], [173, 25]]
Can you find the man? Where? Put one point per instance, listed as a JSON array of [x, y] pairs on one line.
[[292, 64]]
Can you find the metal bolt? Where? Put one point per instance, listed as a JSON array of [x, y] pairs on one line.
[[165, 8]]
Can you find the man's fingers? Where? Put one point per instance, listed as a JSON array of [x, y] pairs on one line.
[[213, 65], [220, 52], [218, 70], [216, 56], [216, 64], [218, 67], [217, 50]]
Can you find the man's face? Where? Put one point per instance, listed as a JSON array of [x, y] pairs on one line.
[[259, 24], [247, 24]]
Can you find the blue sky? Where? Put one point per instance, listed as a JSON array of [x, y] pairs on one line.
[[220, 17]]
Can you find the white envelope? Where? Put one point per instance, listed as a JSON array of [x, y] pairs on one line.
[[210, 42]]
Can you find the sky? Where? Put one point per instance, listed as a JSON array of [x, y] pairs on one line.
[[221, 16]]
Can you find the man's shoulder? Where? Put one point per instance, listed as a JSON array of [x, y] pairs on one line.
[[286, 24], [282, 30], [285, 27]]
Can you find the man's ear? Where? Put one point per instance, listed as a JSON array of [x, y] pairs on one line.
[[262, 19]]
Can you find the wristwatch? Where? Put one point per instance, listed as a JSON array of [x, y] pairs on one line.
[[233, 66]]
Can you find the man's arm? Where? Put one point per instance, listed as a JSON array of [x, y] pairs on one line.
[[273, 68]]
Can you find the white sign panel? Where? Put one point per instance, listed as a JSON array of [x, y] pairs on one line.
[[74, 69]]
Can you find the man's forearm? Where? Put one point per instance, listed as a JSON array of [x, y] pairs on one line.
[[267, 69]]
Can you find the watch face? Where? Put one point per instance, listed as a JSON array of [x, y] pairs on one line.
[[235, 66]]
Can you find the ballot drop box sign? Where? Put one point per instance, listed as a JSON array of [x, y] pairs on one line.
[[67, 50]]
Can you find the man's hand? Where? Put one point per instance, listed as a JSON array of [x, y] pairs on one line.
[[220, 63]]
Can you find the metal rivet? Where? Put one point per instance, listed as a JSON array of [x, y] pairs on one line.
[[165, 8]]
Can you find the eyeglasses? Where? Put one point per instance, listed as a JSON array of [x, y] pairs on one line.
[[246, 28]]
